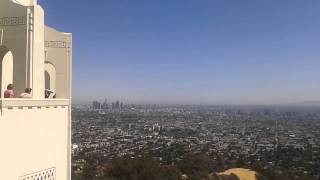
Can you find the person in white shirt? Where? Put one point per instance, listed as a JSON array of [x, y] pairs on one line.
[[26, 94]]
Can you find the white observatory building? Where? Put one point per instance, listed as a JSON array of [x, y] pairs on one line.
[[35, 133]]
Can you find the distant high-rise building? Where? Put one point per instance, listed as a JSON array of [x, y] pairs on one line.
[[117, 106], [276, 136], [105, 104], [266, 112], [112, 105], [96, 105]]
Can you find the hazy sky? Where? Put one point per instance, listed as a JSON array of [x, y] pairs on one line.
[[192, 51]]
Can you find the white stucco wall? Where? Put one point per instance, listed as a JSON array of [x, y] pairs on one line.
[[59, 53], [37, 64], [35, 134], [33, 140], [23, 35]]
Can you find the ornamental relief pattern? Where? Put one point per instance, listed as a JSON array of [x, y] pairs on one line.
[[48, 174], [57, 44], [13, 21]]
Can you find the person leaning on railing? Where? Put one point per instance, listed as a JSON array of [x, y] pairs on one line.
[[26, 94], [9, 92]]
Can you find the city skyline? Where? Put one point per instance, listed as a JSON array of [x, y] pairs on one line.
[[187, 52]]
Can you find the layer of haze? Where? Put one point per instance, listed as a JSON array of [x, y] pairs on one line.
[[192, 51]]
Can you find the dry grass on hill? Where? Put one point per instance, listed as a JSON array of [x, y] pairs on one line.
[[242, 174]]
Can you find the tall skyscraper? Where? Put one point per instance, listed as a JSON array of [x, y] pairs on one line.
[[105, 104], [96, 105], [117, 105], [35, 133]]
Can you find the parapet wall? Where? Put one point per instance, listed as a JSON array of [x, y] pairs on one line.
[[34, 137]]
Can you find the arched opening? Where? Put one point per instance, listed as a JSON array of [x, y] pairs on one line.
[[6, 68], [47, 80], [50, 77]]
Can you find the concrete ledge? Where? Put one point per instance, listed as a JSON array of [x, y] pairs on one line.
[[16, 102]]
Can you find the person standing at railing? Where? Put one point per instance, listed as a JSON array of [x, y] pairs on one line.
[[9, 92], [49, 94], [26, 94]]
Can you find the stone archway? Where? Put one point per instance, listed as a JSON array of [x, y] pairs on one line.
[[6, 68], [50, 76]]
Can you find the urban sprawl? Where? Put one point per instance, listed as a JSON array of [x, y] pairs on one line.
[[271, 137]]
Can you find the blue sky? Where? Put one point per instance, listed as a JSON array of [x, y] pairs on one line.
[[192, 51]]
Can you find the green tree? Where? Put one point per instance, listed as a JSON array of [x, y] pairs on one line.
[[171, 173], [196, 166], [135, 169]]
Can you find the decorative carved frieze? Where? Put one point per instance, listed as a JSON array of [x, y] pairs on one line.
[[13, 21], [57, 44]]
